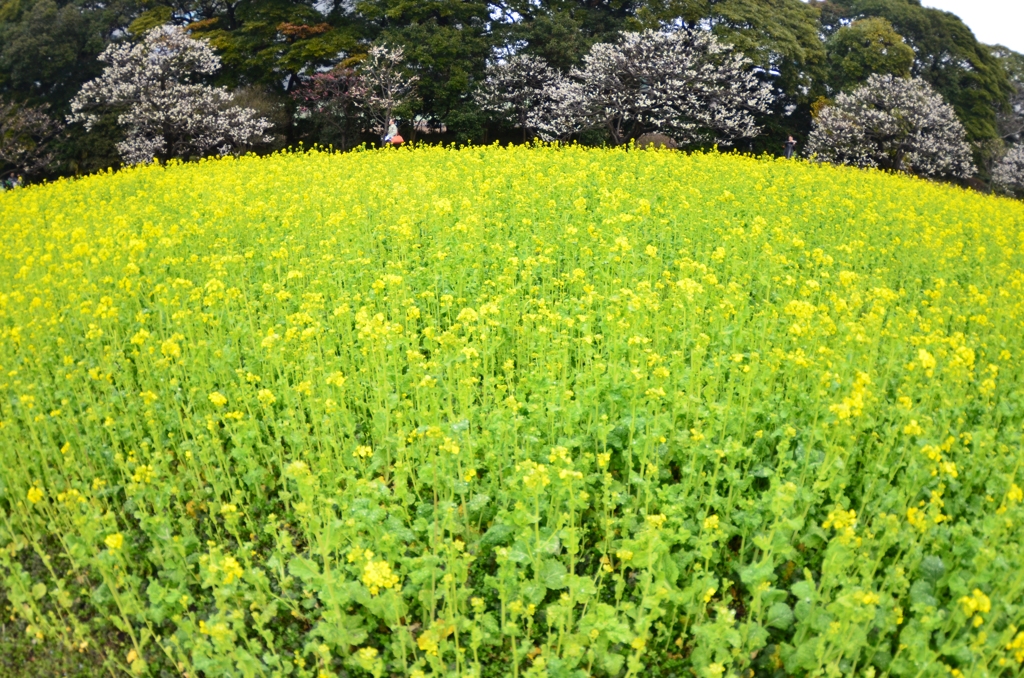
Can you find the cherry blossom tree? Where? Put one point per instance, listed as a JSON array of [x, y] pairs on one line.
[[896, 124], [164, 108], [386, 87], [1008, 175], [514, 89], [684, 82]]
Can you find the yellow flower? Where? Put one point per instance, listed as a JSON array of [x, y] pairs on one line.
[[916, 517], [840, 519], [139, 338], [656, 520], [927, 361], [913, 428], [377, 575], [536, 476], [218, 399], [1017, 647], [35, 494], [114, 541], [975, 603], [266, 397], [171, 349]]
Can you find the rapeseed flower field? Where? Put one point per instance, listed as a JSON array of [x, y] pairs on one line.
[[514, 412]]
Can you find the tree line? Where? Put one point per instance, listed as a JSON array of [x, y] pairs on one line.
[[299, 66]]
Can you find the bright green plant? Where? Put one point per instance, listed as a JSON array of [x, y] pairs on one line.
[[525, 411]]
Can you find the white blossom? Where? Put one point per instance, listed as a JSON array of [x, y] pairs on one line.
[[385, 85], [685, 83], [1008, 175], [515, 88], [164, 110], [563, 112], [896, 124]]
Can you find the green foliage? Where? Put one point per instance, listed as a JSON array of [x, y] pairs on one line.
[[270, 42], [147, 21], [540, 412], [867, 46], [48, 50], [562, 31], [807, 50]]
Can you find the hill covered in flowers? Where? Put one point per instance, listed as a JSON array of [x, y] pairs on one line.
[[527, 411]]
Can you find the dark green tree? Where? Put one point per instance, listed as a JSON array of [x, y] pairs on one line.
[[561, 31], [273, 42], [1010, 121], [865, 47], [48, 50]]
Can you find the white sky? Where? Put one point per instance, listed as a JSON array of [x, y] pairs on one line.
[[994, 22]]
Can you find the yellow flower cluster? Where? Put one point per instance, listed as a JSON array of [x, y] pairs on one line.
[[377, 575], [975, 605]]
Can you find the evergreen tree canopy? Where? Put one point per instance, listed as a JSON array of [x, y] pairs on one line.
[[865, 47]]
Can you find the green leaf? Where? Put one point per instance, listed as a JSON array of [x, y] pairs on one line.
[[804, 590], [921, 594], [478, 502], [497, 535], [552, 574], [534, 592], [780, 616], [304, 569], [611, 662], [38, 591], [805, 656], [932, 568], [754, 574], [582, 587]]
